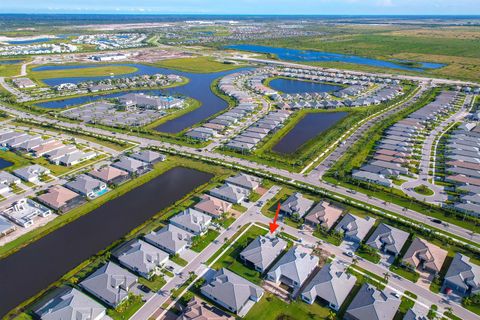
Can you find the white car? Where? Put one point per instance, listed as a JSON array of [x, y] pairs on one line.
[[349, 254]]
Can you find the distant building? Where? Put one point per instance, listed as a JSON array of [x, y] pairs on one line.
[[24, 83]]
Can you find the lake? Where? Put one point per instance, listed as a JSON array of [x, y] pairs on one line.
[[197, 88], [306, 129], [10, 61], [4, 163], [299, 86], [321, 56], [33, 268]]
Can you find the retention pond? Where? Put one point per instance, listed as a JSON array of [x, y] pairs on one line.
[[33, 268]]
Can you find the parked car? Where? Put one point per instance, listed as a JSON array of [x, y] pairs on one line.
[[349, 254], [144, 288]]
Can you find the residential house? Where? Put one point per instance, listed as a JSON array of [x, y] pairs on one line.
[[110, 283], [87, 186], [24, 211], [293, 268], [141, 257], [331, 284], [387, 239], [197, 309], [296, 204], [148, 156], [8, 179], [110, 175], [5, 227], [232, 292], [170, 238], [230, 193], [462, 277], [212, 206], [355, 228], [245, 181], [31, 173], [70, 304], [60, 198], [425, 256], [323, 214], [372, 304], [132, 166], [262, 252], [192, 221]]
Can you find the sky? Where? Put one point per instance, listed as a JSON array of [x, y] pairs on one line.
[[318, 7]]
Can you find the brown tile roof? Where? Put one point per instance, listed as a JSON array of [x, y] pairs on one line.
[[212, 206], [462, 164], [57, 196], [108, 173]]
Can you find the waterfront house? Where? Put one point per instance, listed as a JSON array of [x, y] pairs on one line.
[[31, 173], [192, 221], [230, 193], [24, 211], [245, 181], [60, 198], [132, 166], [87, 186], [170, 238], [148, 156], [110, 283], [110, 175], [212, 206], [355, 228]]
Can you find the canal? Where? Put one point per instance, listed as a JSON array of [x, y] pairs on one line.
[[197, 88], [33, 268], [306, 129]]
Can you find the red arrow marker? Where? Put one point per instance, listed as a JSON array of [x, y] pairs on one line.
[[274, 225]]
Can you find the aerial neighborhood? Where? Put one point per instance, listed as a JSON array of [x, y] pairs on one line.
[[221, 161]]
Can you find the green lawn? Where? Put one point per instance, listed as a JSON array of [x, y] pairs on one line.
[[203, 241], [272, 308], [372, 257], [9, 70], [176, 259], [126, 309], [155, 283], [84, 72], [17, 160], [197, 65], [405, 273], [231, 261], [424, 190]]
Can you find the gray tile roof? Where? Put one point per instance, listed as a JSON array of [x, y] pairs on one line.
[[192, 220], [355, 228], [230, 193], [296, 203], [129, 164], [245, 181], [110, 283], [148, 156], [140, 257], [331, 283], [388, 238], [70, 304], [170, 238], [231, 290], [296, 265], [262, 251], [373, 304], [85, 184], [463, 273], [31, 172]]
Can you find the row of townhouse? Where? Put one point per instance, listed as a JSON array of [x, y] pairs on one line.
[[393, 151], [53, 150], [462, 166], [248, 139], [246, 105]]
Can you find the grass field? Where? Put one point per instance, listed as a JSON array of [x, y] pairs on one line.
[[9, 70], [197, 65], [83, 72], [272, 308]]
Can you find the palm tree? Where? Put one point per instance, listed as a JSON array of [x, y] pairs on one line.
[[386, 276], [331, 315], [354, 261]]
